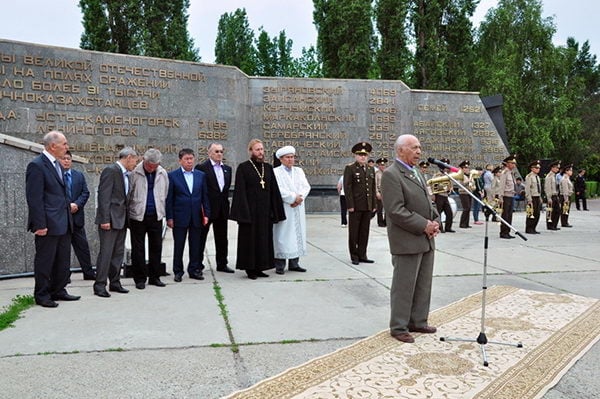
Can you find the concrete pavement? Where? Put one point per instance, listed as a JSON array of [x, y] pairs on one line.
[[175, 342]]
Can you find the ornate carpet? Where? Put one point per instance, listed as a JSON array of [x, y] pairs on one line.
[[555, 331]]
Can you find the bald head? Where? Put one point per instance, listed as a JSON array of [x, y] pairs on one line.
[[56, 144]]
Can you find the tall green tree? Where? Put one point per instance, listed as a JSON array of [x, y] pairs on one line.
[[308, 65], [155, 28], [516, 58], [345, 38], [266, 55], [394, 56], [284, 54], [235, 42]]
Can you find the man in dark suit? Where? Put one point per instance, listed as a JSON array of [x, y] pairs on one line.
[[218, 181], [360, 190], [50, 221], [111, 218], [412, 224], [188, 210], [78, 194]]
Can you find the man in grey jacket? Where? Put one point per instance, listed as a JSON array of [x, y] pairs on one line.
[[412, 224], [147, 198]]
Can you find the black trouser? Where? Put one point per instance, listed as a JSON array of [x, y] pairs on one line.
[[344, 210], [153, 228], [443, 205], [578, 197], [532, 222], [380, 215], [82, 250], [465, 202], [564, 216], [507, 214], [358, 234], [555, 215], [221, 243], [51, 265]]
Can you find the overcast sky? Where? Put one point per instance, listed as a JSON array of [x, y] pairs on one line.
[[58, 22]]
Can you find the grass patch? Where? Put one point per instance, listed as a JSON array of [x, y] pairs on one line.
[[225, 314], [12, 313]]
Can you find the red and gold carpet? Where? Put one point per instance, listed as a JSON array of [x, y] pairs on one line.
[[555, 331]]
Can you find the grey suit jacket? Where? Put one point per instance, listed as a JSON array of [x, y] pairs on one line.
[[407, 207], [112, 201]]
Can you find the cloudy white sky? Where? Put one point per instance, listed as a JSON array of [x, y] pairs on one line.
[[58, 22]]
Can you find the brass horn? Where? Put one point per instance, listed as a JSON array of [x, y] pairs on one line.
[[443, 184]]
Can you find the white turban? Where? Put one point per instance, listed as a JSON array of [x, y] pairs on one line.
[[287, 150]]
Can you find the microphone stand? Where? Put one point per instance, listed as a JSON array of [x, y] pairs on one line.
[[482, 337]]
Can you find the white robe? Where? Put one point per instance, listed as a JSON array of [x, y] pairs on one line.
[[289, 236]]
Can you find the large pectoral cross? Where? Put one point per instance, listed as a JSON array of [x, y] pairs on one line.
[[262, 183]]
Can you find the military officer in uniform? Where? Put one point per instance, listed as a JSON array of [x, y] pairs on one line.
[[463, 194], [359, 188], [552, 197], [507, 192], [442, 202], [566, 190], [533, 194], [381, 165]]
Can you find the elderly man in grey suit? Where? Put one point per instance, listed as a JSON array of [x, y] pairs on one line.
[[412, 224], [111, 218]]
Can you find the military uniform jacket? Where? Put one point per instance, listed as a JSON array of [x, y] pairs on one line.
[[532, 186], [550, 186], [359, 187], [566, 187], [507, 183]]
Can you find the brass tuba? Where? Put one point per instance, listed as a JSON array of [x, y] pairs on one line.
[[443, 184]]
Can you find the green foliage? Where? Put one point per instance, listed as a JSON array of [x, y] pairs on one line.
[[13, 312], [234, 43], [394, 58], [307, 65], [156, 28], [345, 40]]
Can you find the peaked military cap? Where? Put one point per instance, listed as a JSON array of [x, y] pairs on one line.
[[362, 148], [510, 158], [555, 164], [535, 164], [464, 164], [381, 161], [496, 169], [424, 164]]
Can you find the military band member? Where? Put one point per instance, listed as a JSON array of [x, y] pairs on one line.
[[381, 165], [507, 191], [359, 187], [533, 194], [566, 190], [442, 203], [463, 193], [552, 198]]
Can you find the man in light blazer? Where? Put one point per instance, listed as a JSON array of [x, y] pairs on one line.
[[218, 181], [412, 224], [49, 219], [111, 218], [78, 193], [188, 210]]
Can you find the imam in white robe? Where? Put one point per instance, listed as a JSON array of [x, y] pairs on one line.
[[289, 236]]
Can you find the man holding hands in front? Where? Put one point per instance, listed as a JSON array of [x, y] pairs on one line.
[[412, 223]]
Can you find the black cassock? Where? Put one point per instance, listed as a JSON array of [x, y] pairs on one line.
[[255, 209]]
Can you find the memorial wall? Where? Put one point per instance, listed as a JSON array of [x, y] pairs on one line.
[[104, 101]]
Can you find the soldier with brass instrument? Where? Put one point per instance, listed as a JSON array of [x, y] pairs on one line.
[[552, 198], [465, 198], [507, 190], [441, 187], [533, 192], [566, 190]]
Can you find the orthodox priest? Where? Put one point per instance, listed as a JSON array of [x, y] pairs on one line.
[[290, 235], [256, 206]]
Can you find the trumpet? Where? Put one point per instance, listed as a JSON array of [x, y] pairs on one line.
[[565, 207], [529, 211], [549, 212]]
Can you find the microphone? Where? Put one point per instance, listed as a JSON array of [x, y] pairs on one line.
[[442, 165]]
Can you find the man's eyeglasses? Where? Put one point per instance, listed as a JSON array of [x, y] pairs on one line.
[[219, 151]]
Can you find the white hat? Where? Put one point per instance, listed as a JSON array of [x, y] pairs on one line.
[[287, 150]]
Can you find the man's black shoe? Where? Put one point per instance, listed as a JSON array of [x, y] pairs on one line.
[[507, 236], [119, 289], [65, 297], [297, 269], [156, 282], [197, 276], [251, 276], [140, 285], [279, 271], [89, 277], [354, 262], [225, 269], [366, 261], [450, 231], [102, 293], [261, 274], [46, 303], [177, 278]]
